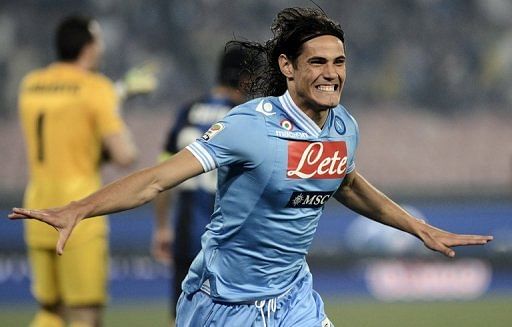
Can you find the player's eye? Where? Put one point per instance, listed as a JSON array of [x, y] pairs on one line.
[[339, 61], [317, 61]]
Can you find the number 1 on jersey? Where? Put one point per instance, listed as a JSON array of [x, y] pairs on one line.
[[39, 137]]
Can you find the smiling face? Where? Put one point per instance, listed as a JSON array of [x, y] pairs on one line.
[[316, 79]]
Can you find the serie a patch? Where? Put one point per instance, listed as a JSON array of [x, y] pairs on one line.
[[214, 130]]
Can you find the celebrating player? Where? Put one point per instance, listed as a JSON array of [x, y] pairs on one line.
[[279, 159]]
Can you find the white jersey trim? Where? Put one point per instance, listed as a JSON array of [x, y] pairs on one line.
[[299, 117], [202, 155], [351, 168]]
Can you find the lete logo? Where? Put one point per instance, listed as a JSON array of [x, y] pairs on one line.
[[318, 160]]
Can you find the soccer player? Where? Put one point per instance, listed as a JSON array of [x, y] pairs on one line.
[[194, 200], [69, 113], [279, 159]]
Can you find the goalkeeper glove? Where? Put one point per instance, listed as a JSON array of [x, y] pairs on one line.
[[138, 80]]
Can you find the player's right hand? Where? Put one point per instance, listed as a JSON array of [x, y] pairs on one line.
[[60, 219]]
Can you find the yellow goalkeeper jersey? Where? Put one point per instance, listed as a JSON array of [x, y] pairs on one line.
[[65, 112]]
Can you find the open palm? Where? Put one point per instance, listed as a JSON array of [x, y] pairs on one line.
[[63, 222]]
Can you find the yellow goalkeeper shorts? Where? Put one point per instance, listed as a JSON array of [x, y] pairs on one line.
[[77, 278]]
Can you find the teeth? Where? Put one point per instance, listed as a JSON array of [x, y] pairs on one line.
[[327, 88]]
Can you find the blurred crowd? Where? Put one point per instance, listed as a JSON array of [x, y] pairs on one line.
[[440, 55]]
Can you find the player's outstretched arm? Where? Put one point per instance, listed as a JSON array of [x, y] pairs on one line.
[[360, 196], [125, 193]]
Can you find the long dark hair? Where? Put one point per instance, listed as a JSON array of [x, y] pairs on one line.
[[291, 28]]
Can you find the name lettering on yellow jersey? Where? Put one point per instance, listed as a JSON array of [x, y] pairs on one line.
[[73, 88]]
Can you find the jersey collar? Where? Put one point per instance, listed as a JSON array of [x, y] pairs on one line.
[[298, 116]]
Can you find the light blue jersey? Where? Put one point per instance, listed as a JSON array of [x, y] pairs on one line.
[[276, 170]]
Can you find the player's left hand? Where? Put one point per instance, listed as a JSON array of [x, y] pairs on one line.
[[140, 79], [442, 241], [161, 245], [59, 218]]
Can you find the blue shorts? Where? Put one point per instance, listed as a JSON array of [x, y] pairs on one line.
[[300, 306]]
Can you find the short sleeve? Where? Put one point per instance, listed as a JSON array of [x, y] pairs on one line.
[[238, 139]]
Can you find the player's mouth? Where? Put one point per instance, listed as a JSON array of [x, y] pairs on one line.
[[327, 88]]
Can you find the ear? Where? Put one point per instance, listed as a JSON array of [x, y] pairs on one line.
[[91, 54], [286, 66], [86, 54], [86, 50]]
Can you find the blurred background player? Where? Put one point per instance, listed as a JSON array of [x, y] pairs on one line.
[[69, 113], [194, 200]]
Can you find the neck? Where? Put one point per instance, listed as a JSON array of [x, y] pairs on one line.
[[319, 117], [80, 64], [316, 114]]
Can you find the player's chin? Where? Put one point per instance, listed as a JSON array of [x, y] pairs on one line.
[[328, 100], [329, 103]]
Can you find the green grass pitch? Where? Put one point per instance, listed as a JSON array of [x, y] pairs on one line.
[[489, 312]]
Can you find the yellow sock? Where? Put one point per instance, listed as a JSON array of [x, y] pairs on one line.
[[45, 318]]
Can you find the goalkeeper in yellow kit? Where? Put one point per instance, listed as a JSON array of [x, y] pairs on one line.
[[69, 114]]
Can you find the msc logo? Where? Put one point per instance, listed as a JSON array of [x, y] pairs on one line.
[[308, 199], [318, 160]]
